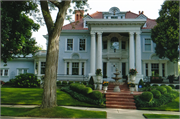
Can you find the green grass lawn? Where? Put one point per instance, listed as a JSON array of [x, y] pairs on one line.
[[33, 96], [56, 112], [148, 116], [172, 106]]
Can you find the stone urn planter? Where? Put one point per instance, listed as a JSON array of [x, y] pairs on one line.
[[105, 88], [133, 78], [132, 89]]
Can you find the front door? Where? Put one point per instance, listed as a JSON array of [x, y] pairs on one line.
[[113, 68]]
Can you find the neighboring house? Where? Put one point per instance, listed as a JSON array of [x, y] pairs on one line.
[[107, 40]]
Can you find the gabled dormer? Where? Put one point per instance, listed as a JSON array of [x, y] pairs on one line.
[[84, 20], [142, 16]]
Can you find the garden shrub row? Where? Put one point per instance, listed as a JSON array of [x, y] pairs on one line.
[[94, 97], [156, 96], [66, 83], [27, 80]]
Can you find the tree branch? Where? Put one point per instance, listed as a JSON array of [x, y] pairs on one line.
[[47, 16], [57, 4]]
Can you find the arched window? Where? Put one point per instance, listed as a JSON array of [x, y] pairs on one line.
[[114, 43]]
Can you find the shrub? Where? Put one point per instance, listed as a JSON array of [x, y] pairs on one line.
[[70, 82], [155, 85], [87, 90], [147, 96], [141, 83], [177, 86], [58, 83], [77, 87], [162, 89], [147, 84], [168, 88], [156, 93], [91, 86], [96, 95], [91, 82], [84, 82], [64, 82], [27, 80], [172, 86]]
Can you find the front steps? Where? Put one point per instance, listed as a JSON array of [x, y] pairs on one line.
[[123, 99]]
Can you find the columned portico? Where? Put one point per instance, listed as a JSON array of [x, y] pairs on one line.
[[138, 53], [99, 51], [93, 44], [131, 50]]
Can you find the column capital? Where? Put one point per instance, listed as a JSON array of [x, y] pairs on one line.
[[131, 33], [99, 32], [92, 32], [138, 32]]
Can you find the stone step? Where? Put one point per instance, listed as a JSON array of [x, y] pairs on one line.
[[121, 106], [120, 99], [120, 96], [120, 103]]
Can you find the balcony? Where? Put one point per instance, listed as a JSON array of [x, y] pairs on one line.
[[119, 54]]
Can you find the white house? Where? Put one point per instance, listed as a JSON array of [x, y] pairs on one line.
[[104, 40]]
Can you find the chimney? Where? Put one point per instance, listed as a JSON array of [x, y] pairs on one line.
[[139, 12], [142, 12], [79, 14]]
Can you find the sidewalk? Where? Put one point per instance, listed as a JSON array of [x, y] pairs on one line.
[[112, 113]]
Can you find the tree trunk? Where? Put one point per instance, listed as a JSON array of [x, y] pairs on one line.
[[54, 30]]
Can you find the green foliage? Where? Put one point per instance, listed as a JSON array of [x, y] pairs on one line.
[[70, 82], [98, 72], [77, 87], [155, 85], [91, 82], [84, 98], [96, 95], [16, 29], [141, 83], [91, 86], [166, 33], [163, 85], [27, 80], [156, 93], [162, 89], [87, 90], [177, 86], [147, 96], [168, 88], [64, 82], [172, 86]]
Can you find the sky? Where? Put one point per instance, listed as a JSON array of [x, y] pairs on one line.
[[150, 7]]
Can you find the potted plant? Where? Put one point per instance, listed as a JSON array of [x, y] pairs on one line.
[[105, 86], [131, 87], [132, 73]]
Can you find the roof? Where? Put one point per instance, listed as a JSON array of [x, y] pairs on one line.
[[150, 23]]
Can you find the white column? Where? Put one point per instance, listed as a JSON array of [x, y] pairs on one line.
[[80, 68], [160, 69], [93, 44], [99, 51], [138, 53], [70, 68], [131, 50], [149, 69], [39, 68]]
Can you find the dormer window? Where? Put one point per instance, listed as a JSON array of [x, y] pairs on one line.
[[85, 24]]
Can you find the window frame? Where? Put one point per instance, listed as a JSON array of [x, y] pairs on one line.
[[42, 67], [84, 43], [144, 45], [66, 43], [22, 70], [75, 68], [3, 72]]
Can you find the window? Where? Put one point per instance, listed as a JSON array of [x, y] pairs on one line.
[[114, 17], [82, 45], [146, 69], [123, 45], [114, 43], [4, 72], [104, 44], [147, 45], [43, 64], [69, 44], [82, 68], [124, 69], [104, 69], [155, 69], [75, 68], [67, 68], [22, 71], [163, 70], [106, 17]]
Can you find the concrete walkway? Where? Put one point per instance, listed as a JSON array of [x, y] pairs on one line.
[[112, 113]]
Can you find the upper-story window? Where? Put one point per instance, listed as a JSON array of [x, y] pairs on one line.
[[105, 44], [114, 17], [82, 44], [114, 43], [123, 45], [147, 44], [69, 44]]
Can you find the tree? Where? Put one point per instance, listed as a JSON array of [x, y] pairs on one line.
[[16, 29], [166, 33], [54, 31]]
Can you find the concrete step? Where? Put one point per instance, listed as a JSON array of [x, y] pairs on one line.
[[120, 103], [120, 96], [120, 99]]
